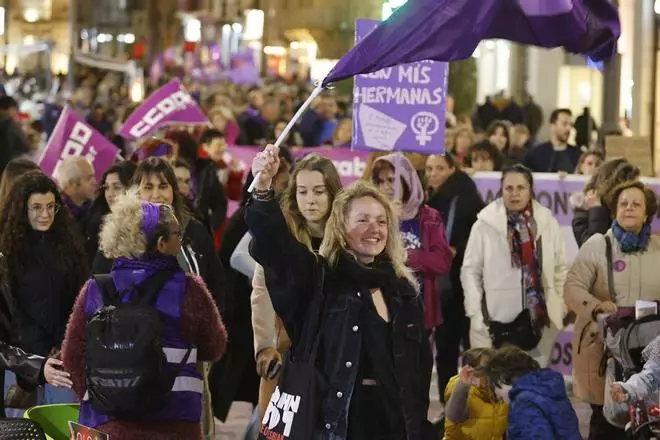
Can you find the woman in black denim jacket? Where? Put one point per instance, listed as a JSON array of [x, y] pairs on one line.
[[375, 359]]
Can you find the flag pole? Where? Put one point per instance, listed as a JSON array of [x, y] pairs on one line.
[[316, 92]]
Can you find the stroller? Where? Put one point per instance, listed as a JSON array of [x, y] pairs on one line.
[[625, 338]]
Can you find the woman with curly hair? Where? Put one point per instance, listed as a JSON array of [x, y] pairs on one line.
[[144, 239], [592, 216], [45, 266]]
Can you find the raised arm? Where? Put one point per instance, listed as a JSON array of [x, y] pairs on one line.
[[289, 267]]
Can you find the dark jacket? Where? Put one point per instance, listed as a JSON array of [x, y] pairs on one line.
[[44, 291], [468, 205], [586, 223], [28, 369], [197, 253], [210, 199], [540, 409], [544, 159], [292, 272], [234, 378]]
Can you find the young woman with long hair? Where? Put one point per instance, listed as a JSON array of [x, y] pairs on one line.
[[306, 205], [364, 302]]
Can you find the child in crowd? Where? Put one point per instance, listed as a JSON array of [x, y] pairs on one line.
[[472, 411], [641, 385], [484, 156], [230, 171], [539, 407]]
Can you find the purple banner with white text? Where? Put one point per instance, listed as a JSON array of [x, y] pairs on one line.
[[400, 108], [169, 105], [74, 137]]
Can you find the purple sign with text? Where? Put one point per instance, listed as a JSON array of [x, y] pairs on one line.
[[400, 108], [561, 359], [552, 192], [169, 105], [74, 137]]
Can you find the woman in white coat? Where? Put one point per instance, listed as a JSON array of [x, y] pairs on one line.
[[514, 271]]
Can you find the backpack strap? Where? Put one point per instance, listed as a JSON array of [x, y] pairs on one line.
[[151, 287], [610, 274], [109, 294]]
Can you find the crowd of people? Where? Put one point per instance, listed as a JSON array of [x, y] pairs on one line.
[[378, 283]]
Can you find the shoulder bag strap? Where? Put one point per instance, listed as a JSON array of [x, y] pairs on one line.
[[610, 273], [451, 216], [151, 287]]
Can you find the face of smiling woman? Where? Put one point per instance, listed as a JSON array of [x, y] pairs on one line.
[[366, 229]]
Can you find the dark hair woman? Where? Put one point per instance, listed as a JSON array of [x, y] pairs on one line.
[[45, 265], [115, 181]]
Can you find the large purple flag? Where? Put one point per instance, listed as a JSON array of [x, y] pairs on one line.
[[447, 30], [74, 137], [169, 105]]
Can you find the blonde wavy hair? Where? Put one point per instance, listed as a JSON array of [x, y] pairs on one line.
[[336, 236], [120, 234]]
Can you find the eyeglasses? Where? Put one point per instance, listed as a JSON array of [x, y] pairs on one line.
[[50, 209]]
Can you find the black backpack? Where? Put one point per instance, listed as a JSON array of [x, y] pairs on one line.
[[127, 372]]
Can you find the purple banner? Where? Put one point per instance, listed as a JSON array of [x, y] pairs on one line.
[[400, 108], [561, 359], [169, 105], [74, 137], [552, 192]]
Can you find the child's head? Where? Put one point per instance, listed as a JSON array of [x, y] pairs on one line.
[[476, 357], [214, 144], [484, 156], [505, 366]]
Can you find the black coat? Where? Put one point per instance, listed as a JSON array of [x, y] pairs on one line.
[[28, 369], [586, 223], [292, 276], [234, 378], [210, 200], [468, 205]]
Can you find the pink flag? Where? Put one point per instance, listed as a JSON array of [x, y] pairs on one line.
[[74, 137], [169, 105]]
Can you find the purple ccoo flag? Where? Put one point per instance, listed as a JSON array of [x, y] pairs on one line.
[[447, 30]]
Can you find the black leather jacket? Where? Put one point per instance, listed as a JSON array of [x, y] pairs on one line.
[[292, 276], [27, 367]]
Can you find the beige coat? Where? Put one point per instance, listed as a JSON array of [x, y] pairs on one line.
[[586, 287], [268, 331]]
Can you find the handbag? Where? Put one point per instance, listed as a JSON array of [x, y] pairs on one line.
[[443, 283], [293, 410], [522, 332]]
